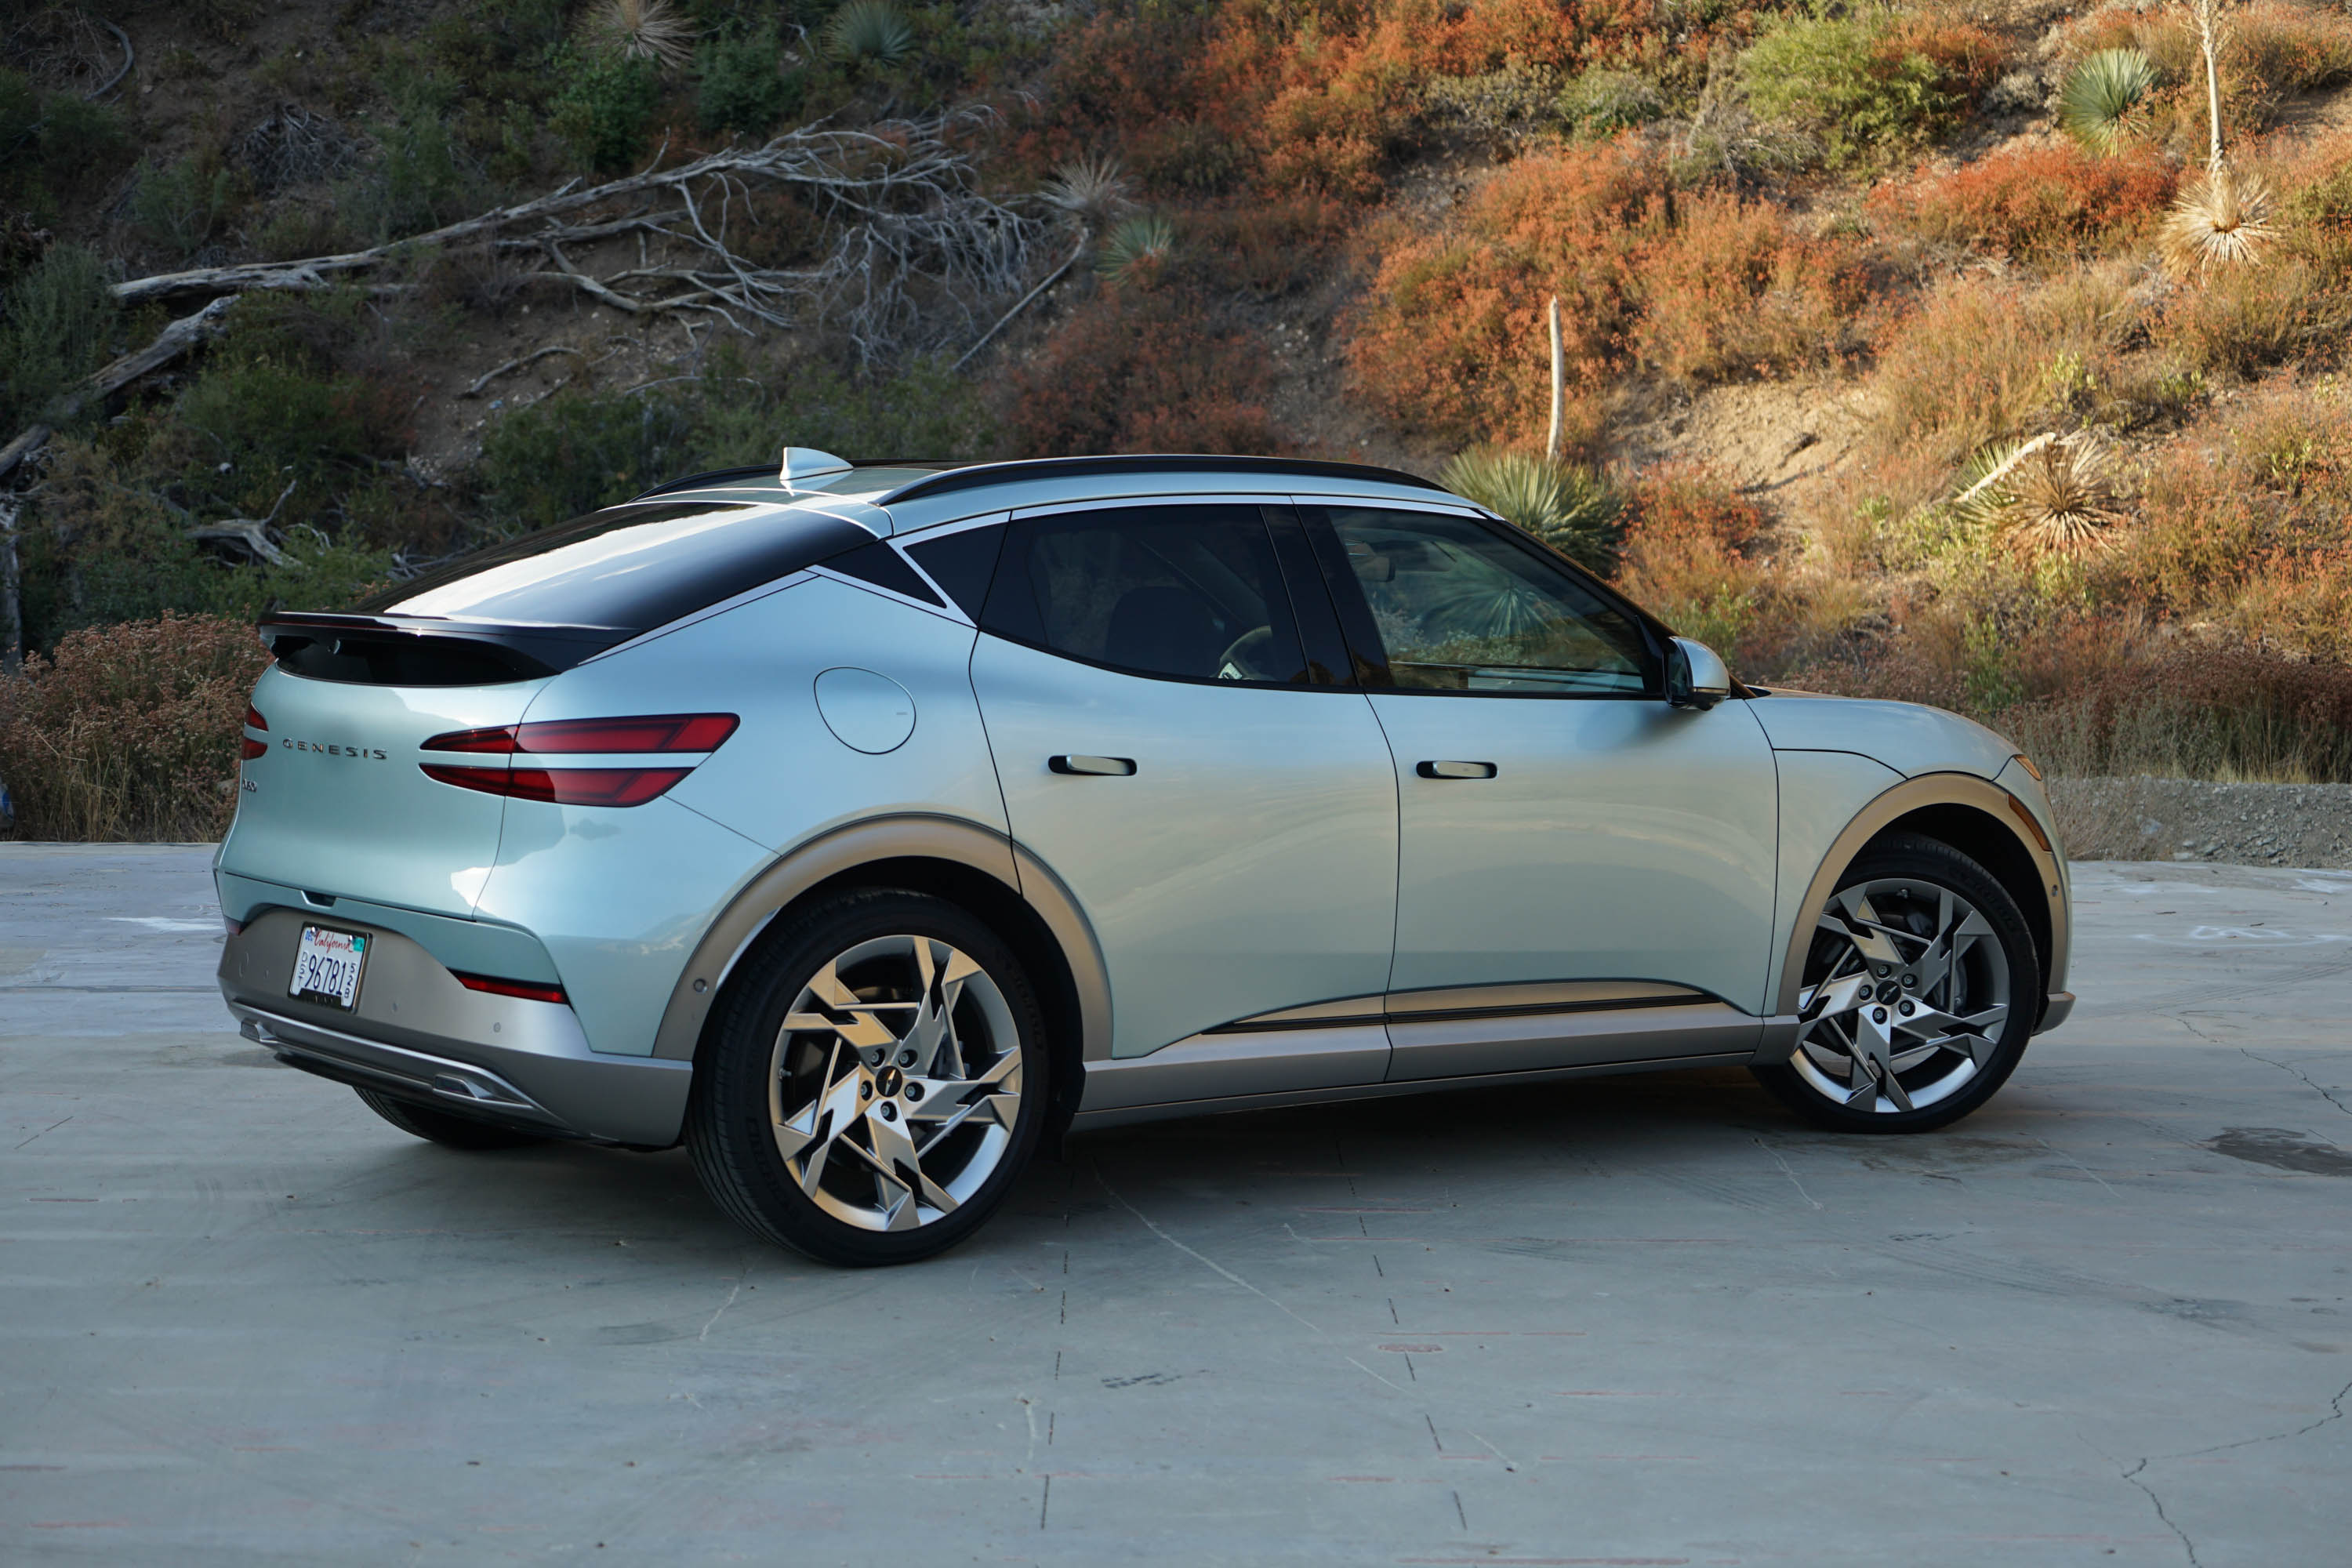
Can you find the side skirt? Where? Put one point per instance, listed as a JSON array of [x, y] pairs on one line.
[[1096, 1121]]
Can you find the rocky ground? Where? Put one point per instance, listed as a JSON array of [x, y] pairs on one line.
[[2195, 819]]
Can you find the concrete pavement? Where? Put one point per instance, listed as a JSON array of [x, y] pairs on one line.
[[1653, 1319]]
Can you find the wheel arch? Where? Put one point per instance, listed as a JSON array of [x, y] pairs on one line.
[[964, 863], [1973, 816]]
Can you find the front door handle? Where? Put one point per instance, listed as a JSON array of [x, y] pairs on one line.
[[1106, 767], [1455, 770]]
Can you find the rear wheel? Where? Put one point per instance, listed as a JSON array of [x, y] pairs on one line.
[[874, 1082], [441, 1126], [1920, 991]]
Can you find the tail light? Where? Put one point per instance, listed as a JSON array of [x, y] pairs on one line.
[[250, 748], [657, 734], [528, 990]]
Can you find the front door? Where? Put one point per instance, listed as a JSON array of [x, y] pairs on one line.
[[1586, 874], [1218, 801]]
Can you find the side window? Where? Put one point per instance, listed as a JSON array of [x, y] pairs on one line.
[[1191, 592], [1458, 607]]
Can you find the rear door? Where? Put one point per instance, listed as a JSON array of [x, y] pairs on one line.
[[1179, 743]]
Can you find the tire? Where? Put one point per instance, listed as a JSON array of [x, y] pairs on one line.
[[443, 1127], [872, 1082], [1920, 993]]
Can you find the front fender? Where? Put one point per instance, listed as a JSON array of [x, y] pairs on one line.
[[1999, 811]]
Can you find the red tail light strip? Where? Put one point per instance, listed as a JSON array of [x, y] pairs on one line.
[[657, 733], [250, 748], [528, 990], [562, 786]]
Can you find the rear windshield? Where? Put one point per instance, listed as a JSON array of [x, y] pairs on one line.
[[629, 568]]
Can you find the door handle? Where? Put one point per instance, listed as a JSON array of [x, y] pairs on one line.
[[1106, 767], [1455, 770]]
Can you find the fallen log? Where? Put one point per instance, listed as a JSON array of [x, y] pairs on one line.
[[174, 341]]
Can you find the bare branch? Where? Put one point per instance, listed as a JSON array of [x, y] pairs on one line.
[[174, 341], [495, 371]]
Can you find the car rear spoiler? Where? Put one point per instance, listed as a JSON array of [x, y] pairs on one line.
[[400, 650]]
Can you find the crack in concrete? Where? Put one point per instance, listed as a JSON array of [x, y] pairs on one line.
[[2335, 1412], [2187, 1545], [2324, 1094]]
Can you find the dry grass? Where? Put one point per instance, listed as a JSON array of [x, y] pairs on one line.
[[130, 731]]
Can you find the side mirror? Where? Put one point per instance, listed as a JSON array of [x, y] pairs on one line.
[[1696, 676]]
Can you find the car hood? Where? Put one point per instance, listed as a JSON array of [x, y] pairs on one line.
[[1910, 737]]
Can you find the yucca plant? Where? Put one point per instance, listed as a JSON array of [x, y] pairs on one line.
[[1571, 508], [2097, 100], [870, 32], [1093, 189], [639, 30], [2221, 218], [2052, 495], [1135, 250]]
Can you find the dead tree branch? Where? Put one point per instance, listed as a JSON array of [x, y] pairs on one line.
[[174, 341], [911, 232], [251, 532], [495, 371]]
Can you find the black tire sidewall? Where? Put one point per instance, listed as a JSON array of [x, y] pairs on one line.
[[1932, 861], [729, 1133]]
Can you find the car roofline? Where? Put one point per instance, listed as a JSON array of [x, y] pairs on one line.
[[977, 476]]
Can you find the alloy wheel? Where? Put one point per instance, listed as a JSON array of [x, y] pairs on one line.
[[895, 1084], [1907, 992]]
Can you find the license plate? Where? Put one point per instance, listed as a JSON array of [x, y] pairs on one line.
[[327, 965]]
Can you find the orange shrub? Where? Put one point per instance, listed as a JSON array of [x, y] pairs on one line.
[[1133, 371], [129, 731], [1733, 290], [1690, 557], [1968, 58], [1450, 339], [2034, 203]]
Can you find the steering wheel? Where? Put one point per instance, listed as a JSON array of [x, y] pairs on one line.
[[1242, 657]]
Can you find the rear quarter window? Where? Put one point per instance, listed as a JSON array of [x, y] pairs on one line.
[[630, 569]]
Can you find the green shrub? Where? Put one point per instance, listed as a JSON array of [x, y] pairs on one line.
[[1603, 103], [605, 105], [417, 181], [922, 412], [54, 325], [179, 206], [53, 145], [743, 87], [576, 451], [1837, 78], [1570, 507]]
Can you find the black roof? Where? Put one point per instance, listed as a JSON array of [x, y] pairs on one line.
[[973, 476], [953, 476]]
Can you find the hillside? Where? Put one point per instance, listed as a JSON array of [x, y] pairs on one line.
[[1822, 272]]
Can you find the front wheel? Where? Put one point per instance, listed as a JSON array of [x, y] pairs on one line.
[[874, 1082], [1920, 991]]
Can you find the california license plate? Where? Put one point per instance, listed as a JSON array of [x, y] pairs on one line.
[[327, 965]]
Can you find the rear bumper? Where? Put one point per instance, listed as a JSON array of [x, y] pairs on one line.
[[418, 1034], [2055, 1011]]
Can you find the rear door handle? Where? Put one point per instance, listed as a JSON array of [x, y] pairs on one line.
[[1106, 767], [1455, 770]]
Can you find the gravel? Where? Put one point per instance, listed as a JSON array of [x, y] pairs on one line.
[[2198, 819]]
